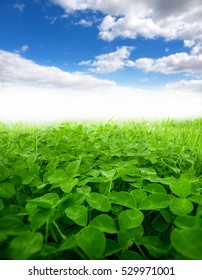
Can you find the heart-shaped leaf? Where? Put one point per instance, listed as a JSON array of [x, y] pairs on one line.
[[99, 202], [4, 173], [7, 190], [92, 242], [72, 168], [181, 206], [26, 245], [155, 201], [104, 223], [123, 198], [78, 214], [187, 242], [130, 219], [181, 187]]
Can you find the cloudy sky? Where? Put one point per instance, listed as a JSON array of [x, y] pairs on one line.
[[95, 59]]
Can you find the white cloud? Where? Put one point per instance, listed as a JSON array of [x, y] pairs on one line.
[[52, 19], [197, 49], [175, 63], [64, 16], [131, 18], [85, 62], [72, 4], [189, 43], [19, 6], [84, 22], [170, 19], [17, 70], [33, 93], [116, 7], [110, 62], [190, 64], [23, 49], [144, 80], [128, 27], [188, 85]]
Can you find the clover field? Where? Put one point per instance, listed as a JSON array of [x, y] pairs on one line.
[[128, 190]]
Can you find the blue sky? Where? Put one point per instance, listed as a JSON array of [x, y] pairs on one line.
[[136, 56]]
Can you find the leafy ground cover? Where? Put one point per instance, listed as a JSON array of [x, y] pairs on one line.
[[101, 191]]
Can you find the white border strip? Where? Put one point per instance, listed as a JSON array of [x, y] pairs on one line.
[[110, 269]]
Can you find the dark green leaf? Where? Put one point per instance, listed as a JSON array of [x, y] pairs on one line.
[[7, 190], [130, 219], [58, 176], [47, 154], [196, 198], [72, 168], [181, 187], [160, 224], [69, 243], [46, 201], [75, 199], [109, 174], [155, 246], [187, 242], [99, 202], [104, 223], [123, 198], [78, 214], [130, 255], [181, 206], [4, 173], [187, 221], [26, 245], [1, 204], [139, 196], [155, 201], [92, 242], [84, 190], [3, 237], [155, 188], [68, 185], [127, 237], [39, 218], [11, 225], [112, 247], [149, 174]]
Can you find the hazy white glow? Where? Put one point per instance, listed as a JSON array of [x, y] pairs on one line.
[[32, 104]]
